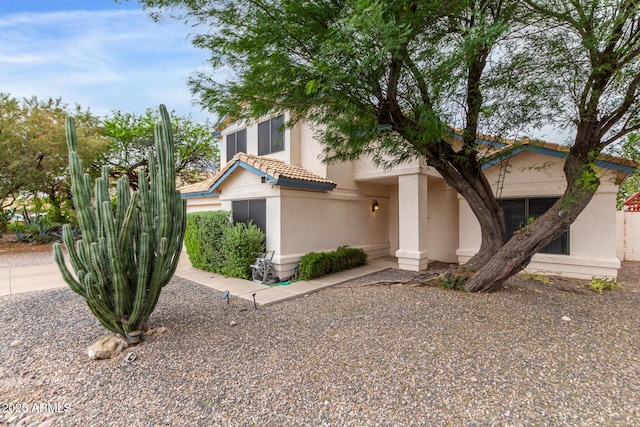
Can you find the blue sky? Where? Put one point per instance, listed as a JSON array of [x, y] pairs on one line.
[[100, 54]]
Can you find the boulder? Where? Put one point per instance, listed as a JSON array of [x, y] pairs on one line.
[[107, 347]]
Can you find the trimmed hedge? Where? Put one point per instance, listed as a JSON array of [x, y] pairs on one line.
[[203, 239], [316, 264], [216, 244]]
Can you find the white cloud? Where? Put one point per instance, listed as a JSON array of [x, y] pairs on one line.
[[105, 60]]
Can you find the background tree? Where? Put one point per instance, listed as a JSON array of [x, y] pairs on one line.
[[33, 146], [131, 136], [631, 185], [391, 79]]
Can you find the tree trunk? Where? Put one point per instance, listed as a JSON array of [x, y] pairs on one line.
[[518, 251], [470, 182]]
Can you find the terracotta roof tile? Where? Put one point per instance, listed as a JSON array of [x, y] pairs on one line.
[[272, 167]]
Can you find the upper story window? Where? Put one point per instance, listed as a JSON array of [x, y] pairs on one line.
[[236, 143], [517, 213], [271, 136]]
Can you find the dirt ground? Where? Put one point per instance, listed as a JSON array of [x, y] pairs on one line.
[[9, 245]]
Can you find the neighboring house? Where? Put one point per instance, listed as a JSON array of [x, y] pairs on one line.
[[629, 229], [277, 180]]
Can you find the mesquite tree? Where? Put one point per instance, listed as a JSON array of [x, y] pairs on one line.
[[392, 79], [127, 253]]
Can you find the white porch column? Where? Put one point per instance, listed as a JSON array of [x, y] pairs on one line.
[[412, 250]]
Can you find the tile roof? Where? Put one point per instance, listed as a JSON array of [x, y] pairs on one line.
[[278, 172], [198, 187], [497, 147], [511, 147], [278, 168]]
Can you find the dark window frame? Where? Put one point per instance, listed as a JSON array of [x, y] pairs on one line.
[[560, 246], [270, 137], [236, 143], [251, 209]]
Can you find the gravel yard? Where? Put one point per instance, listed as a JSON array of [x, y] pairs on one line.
[[353, 355]]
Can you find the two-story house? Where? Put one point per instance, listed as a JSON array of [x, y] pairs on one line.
[[277, 179]]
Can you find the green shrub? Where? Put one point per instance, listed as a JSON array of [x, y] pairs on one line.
[[215, 244], [203, 239], [599, 284], [316, 264], [241, 245]]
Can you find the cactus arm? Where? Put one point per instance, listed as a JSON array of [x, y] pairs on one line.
[[98, 308], [144, 268], [67, 238], [125, 224], [75, 285], [100, 275], [120, 288], [123, 199]]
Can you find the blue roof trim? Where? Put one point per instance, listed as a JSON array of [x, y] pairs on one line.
[[606, 164], [615, 166], [199, 194]]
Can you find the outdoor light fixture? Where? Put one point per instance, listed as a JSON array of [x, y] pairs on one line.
[[375, 206]]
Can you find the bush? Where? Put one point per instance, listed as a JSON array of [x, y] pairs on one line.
[[241, 245], [203, 239], [215, 244], [316, 264]]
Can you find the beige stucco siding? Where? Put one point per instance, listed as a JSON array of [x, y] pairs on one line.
[[313, 222], [199, 204], [592, 238], [310, 151], [442, 222]]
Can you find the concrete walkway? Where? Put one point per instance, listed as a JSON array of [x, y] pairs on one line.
[[15, 280]]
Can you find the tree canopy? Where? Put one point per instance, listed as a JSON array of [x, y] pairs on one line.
[[131, 136], [394, 79], [32, 140]]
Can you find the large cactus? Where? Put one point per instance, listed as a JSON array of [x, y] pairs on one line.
[[127, 254]]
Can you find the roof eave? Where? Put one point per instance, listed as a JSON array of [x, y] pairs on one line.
[[300, 184]]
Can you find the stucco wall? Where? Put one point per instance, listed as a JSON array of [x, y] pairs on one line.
[[592, 238], [199, 204], [310, 150], [628, 235], [442, 222], [313, 222]]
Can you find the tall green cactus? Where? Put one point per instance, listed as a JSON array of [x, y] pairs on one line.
[[127, 254]]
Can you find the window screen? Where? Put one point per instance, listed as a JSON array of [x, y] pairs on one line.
[[270, 136], [236, 143], [516, 216], [251, 210]]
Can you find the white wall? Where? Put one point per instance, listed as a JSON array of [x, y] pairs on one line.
[[314, 222], [199, 204], [628, 235], [592, 237], [442, 222]]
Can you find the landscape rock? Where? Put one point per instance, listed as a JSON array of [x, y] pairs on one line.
[[15, 343], [106, 348], [566, 318]]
